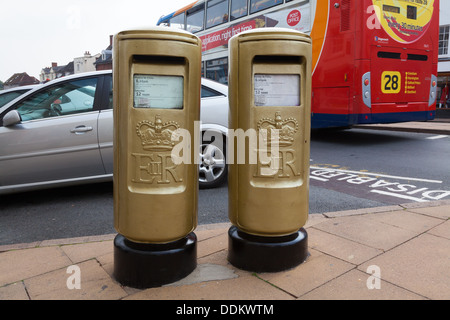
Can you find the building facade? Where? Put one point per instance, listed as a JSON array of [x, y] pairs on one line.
[[104, 62], [85, 63], [55, 72]]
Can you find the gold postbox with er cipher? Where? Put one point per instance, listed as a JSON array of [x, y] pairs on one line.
[[157, 74], [270, 103]]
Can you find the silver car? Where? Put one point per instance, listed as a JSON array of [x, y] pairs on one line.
[[9, 95], [61, 134]]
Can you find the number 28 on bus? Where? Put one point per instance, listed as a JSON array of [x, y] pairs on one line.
[[374, 61]]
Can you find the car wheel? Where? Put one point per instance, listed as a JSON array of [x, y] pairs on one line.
[[213, 170]]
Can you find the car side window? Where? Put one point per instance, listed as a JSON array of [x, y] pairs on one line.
[[68, 98], [207, 92], [10, 96]]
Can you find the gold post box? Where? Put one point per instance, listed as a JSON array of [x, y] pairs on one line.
[[157, 74], [270, 106]]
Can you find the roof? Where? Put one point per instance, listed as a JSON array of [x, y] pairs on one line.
[[105, 57], [21, 79], [64, 69]]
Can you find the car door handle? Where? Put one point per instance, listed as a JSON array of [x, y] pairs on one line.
[[81, 129]]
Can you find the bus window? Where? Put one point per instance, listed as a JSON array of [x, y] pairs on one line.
[[239, 9], [389, 55], [194, 19], [217, 70], [417, 57], [411, 12], [258, 5], [216, 12], [178, 21]]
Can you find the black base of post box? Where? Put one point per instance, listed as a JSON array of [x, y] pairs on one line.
[[142, 265], [266, 254]]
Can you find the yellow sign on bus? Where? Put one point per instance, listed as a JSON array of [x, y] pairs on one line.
[[405, 21], [391, 82]]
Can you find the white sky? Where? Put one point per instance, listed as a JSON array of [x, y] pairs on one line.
[[35, 33]]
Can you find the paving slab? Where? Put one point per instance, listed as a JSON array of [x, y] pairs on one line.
[[85, 251], [366, 231], [353, 286], [17, 265], [248, 287], [411, 221], [420, 265], [441, 212], [339, 247], [318, 269], [95, 283], [431, 127], [442, 230], [14, 291]]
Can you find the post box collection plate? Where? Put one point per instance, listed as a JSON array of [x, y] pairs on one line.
[[277, 90], [158, 92]]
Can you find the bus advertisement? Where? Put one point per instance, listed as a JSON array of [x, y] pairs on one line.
[[374, 61]]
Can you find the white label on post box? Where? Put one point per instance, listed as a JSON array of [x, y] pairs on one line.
[[158, 92], [277, 90]]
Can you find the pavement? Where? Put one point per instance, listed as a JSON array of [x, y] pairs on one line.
[[438, 126], [399, 252]]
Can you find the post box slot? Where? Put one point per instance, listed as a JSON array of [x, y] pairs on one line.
[[265, 59], [158, 59]]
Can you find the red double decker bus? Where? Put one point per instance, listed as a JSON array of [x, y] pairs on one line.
[[374, 61]]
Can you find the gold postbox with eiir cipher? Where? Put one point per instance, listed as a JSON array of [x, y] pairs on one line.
[[270, 106], [157, 74]]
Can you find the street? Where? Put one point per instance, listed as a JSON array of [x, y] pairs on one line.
[[387, 167], [349, 169]]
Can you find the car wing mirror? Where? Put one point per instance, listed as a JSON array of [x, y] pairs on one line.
[[11, 118]]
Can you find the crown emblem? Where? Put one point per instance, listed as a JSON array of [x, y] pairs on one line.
[[286, 130], [156, 136]]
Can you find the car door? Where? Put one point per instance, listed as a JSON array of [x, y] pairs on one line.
[[214, 107], [105, 126], [57, 137]]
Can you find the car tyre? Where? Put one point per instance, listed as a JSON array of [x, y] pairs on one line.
[[213, 170]]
